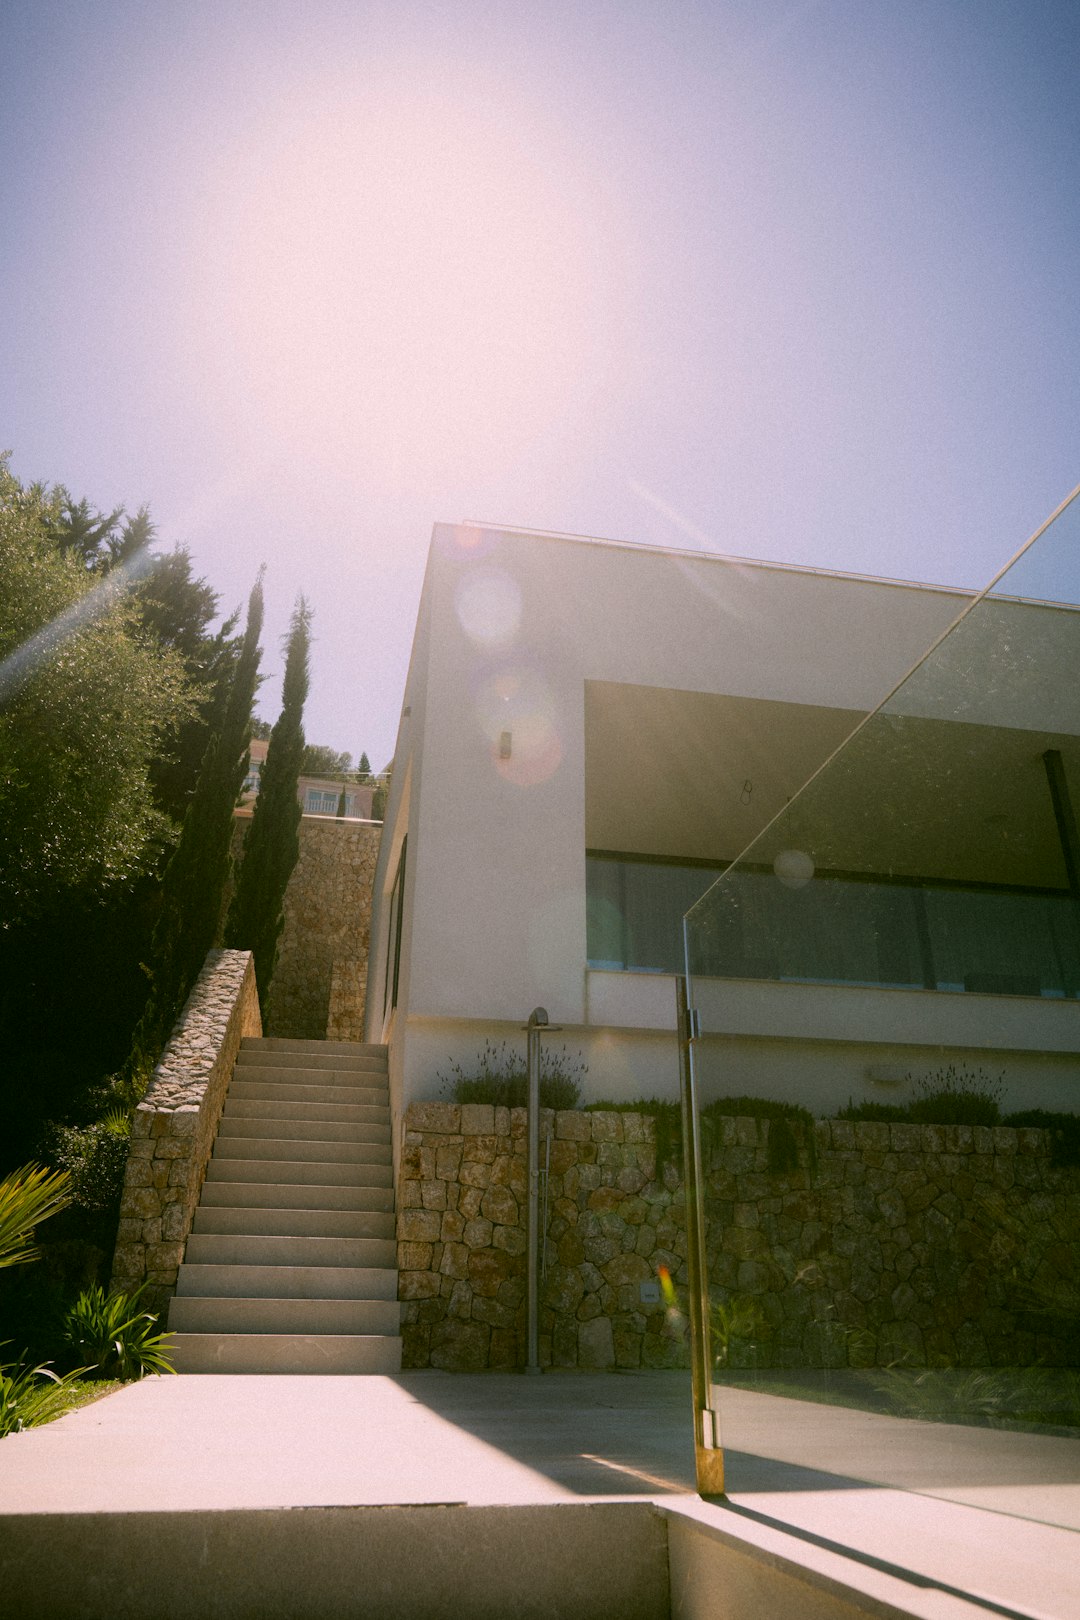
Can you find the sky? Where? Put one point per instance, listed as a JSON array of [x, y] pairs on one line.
[[786, 279]]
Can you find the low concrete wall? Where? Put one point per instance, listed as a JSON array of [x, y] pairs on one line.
[[176, 1122], [921, 1244]]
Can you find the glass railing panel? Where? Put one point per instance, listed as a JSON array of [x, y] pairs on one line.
[[893, 1288]]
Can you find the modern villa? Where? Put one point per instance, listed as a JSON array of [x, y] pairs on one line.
[[593, 731]]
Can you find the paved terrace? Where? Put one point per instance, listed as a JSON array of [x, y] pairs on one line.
[[956, 1522]]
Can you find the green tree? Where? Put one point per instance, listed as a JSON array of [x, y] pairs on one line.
[[88, 698], [363, 770], [318, 760], [381, 794], [273, 844], [194, 880]]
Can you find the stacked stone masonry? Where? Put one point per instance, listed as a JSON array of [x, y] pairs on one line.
[[320, 977], [173, 1132], [920, 1244]]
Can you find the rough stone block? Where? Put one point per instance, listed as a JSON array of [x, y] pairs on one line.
[[414, 1256], [510, 1238], [418, 1225], [596, 1344], [500, 1206], [434, 1116], [418, 1284], [476, 1234], [477, 1119]]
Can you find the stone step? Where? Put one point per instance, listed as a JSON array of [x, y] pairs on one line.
[[293, 1074], [375, 1133], [293, 1170], [306, 1195], [275, 1108], [251, 1315], [280, 1043], [277, 1222], [310, 1062], [237, 1249], [286, 1091], [322, 1353], [273, 1147], [287, 1281]]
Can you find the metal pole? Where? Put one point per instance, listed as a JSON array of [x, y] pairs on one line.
[[537, 1019], [708, 1451]]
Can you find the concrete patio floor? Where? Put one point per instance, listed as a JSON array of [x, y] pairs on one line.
[[968, 1520]]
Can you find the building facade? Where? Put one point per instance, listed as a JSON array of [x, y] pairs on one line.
[[613, 725]]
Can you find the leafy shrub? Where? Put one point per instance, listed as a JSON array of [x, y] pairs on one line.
[[500, 1076], [956, 1096], [952, 1096], [115, 1338], [667, 1125], [30, 1396], [879, 1113], [94, 1157], [789, 1123], [1064, 1131]]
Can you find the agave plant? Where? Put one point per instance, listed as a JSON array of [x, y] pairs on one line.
[[27, 1197], [114, 1337]]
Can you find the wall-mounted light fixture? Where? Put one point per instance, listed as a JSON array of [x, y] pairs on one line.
[[505, 741]]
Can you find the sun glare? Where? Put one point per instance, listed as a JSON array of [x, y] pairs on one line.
[[399, 285]]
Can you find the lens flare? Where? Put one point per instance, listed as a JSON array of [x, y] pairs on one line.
[[488, 604]]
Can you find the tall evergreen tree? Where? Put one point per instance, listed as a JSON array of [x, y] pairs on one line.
[[195, 877], [273, 843]]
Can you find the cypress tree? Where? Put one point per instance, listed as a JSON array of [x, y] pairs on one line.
[[194, 880], [273, 843]]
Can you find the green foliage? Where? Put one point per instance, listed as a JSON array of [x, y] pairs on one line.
[[28, 1197], [1064, 1132], [500, 1076], [195, 877], [789, 1125], [955, 1095], [317, 760], [363, 769], [260, 729], [667, 1125], [94, 1157], [30, 1396], [114, 1337], [87, 698], [736, 1319], [875, 1112], [272, 844], [998, 1397]]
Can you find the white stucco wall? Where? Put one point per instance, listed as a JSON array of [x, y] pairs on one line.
[[510, 629], [487, 949]]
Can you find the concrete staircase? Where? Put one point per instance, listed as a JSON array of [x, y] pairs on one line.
[[291, 1266]]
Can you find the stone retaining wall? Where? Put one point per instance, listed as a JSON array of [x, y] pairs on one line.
[[175, 1124], [924, 1244], [320, 978]]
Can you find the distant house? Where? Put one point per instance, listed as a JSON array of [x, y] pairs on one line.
[[318, 795]]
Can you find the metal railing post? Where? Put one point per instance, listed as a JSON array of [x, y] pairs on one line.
[[708, 1450], [537, 1020]]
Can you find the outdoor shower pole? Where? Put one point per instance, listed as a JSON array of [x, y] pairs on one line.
[[537, 1020]]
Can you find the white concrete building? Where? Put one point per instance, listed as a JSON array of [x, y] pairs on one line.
[[591, 731]]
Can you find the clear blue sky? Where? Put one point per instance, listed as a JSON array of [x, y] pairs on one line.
[[792, 279]]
